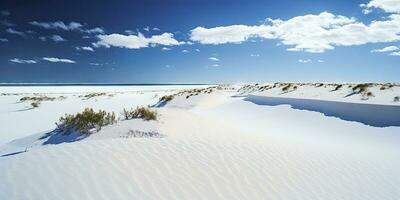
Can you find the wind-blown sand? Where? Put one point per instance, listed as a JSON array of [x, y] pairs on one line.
[[212, 146]]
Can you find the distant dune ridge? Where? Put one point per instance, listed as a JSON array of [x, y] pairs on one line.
[[254, 141]]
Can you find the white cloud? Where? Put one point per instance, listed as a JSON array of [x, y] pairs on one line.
[[136, 41], [15, 32], [386, 49], [304, 60], [84, 48], [215, 65], [42, 38], [185, 51], [213, 58], [93, 30], [198, 50], [22, 61], [389, 6], [95, 64], [63, 60], [130, 32], [156, 29], [165, 49], [255, 55], [57, 38], [311, 33], [72, 26], [3, 40], [320, 61], [147, 28], [58, 25], [395, 53], [5, 12]]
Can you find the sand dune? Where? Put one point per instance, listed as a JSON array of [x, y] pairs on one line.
[[213, 146]]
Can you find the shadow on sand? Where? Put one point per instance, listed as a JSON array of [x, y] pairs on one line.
[[58, 137], [369, 114]]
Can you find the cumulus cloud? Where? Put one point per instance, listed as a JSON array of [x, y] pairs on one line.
[[57, 38], [311, 33], [3, 40], [213, 58], [22, 61], [304, 60], [56, 60], [136, 41], [389, 6], [320, 61], [386, 49], [165, 49], [84, 48], [198, 50], [254, 55], [156, 29], [395, 53], [215, 65], [185, 51], [15, 32]]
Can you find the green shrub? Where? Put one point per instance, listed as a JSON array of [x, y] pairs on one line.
[[396, 99], [91, 95], [140, 112], [41, 98], [35, 104], [85, 121], [338, 87], [166, 98], [360, 88], [286, 88]]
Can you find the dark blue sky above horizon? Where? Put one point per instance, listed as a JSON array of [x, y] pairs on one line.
[[34, 48]]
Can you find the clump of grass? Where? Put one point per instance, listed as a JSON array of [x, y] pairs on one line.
[[91, 95], [35, 104], [396, 99], [370, 94], [286, 88], [166, 98], [40, 98], [140, 112], [337, 87], [85, 121], [360, 88]]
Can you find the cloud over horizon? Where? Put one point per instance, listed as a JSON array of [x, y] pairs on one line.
[[56, 60], [136, 41]]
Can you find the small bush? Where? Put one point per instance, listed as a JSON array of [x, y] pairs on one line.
[[41, 98], [91, 95], [140, 112], [35, 104], [370, 94], [286, 88], [166, 98], [360, 88], [85, 121], [396, 99], [338, 87]]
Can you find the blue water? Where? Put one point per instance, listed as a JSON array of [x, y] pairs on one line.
[[369, 114]]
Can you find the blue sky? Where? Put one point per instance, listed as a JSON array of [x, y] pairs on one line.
[[199, 41]]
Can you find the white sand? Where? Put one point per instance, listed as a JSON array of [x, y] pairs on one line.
[[214, 146]]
